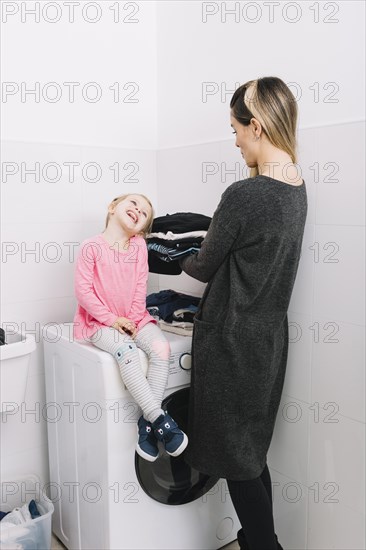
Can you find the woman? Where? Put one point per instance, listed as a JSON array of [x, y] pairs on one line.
[[249, 259]]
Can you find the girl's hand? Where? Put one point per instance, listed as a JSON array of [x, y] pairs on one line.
[[125, 326]]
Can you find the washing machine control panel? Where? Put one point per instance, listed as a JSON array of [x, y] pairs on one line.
[[180, 360], [185, 361]]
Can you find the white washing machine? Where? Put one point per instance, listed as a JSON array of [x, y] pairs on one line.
[[106, 497]]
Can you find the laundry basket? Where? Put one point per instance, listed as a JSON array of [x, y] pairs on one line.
[[15, 353], [34, 534]]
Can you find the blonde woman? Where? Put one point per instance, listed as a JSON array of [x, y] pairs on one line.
[[249, 259]]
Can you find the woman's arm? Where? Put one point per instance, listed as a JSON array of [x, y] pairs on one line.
[[219, 239]]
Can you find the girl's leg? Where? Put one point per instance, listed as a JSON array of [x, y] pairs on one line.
[[153, 342], [254, 509], [125, 351]]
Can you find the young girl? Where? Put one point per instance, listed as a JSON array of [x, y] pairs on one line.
[[110, 287]]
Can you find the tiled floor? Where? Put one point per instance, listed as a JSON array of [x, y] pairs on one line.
[[232, 546], [57, 545]]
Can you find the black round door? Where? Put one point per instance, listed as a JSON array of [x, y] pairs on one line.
[[170, 480]]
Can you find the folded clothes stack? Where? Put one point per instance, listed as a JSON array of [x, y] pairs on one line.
[[173, 310], [174, 236]]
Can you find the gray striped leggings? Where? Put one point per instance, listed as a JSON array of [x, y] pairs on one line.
[[148, 393]]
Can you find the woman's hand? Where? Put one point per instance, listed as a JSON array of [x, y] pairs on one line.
[[125, 326]]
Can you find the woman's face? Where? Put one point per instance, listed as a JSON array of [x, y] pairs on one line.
[[245, 140]]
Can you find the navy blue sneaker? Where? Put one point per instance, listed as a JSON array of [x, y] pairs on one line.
[[146, 446], [167, 431]]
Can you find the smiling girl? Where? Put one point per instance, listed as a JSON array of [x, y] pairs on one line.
[[110, 286]]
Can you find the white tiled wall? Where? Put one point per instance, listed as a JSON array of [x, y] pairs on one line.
[[319, 438], [110, 66]]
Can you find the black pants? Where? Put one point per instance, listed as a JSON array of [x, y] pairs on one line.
[[252, 500]]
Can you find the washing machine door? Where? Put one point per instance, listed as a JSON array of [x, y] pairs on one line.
[[170, 480]]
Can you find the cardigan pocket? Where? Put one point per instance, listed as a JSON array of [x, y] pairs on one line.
[[206, 336]]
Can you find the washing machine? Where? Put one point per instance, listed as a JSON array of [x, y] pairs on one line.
[[107, 497]]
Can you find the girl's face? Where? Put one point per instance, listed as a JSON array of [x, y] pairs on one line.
[[132, 213], [245, 140]]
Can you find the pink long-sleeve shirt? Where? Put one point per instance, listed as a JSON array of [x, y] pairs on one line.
[[110, 283]]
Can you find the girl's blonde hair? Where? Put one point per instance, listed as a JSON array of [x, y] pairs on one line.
[[148, 225], [272, 103]]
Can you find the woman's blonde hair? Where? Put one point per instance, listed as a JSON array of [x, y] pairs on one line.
[[272, 103], [148, 225]]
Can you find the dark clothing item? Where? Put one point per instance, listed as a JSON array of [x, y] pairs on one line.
[[3, 514], [2, 337], [180, 222], [165, 260], [154, 311], [33, 510], [169, 254], [168, 301], [252, 500], [176, 243], [249, 258], [184, 317], [156, 265], [168, 251]]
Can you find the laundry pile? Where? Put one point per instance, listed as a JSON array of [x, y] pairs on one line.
[[174, 311], [19, 515], [172, 237], [2, 337]]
